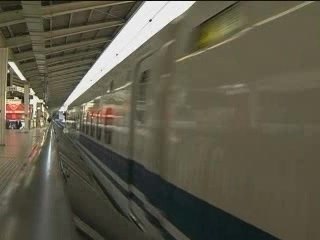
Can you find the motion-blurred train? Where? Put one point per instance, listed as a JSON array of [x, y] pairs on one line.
[[210, 130]]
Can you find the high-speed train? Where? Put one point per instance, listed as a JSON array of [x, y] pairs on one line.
[[210, 130]]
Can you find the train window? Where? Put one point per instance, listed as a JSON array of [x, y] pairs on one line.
[[82, 128], [108, 122], [92, 125], [87, 123], [142, 96], [98, 126], [111, 86], [78, 121]]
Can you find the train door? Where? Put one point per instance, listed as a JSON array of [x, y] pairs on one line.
[[138, 132], [152, 74], [87, 121], [108, 121], [92, 124]]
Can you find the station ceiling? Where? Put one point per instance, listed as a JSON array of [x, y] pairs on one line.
[[55, 43]]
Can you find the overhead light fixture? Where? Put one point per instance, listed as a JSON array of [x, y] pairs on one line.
[[16, 70], [62, 109], [151, 17]]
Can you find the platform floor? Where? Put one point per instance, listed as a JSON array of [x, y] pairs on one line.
[[18, 149]]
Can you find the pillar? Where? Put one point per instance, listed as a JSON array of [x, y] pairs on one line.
[[11, 77], [38, 114], [26, 107], [3, 91]]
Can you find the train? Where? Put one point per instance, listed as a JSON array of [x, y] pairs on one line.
[[210, 129]]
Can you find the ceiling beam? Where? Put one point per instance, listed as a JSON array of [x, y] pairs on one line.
[[11, 56], [52, 72], [33, 15], [82, 29], [64, 85], [76, 74], [71, 70], [18, 41], [28, 66], [61, 96], [11, 17], [71, 79], [69, 46], [59, 93], [68, 57], [77, 6], [24, 56], [73, 83], [70, 64], [29, 54]]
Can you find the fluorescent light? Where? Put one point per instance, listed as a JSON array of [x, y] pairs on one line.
[[62, 109], [16, 70], [136, 32]]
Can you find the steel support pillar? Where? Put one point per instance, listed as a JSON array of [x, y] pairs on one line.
[[26, 107], [3, 91], [11, 77]]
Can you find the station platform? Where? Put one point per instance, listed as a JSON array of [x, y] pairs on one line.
[[19, 147], [33, 204]]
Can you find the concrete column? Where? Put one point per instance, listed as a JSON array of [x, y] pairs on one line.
[[26, 107], [11, 77], [3, 92]]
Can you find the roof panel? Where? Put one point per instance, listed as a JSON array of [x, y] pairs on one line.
[[97, 16], [74, 38], [46, 24], [26, 48], [61, 21], [19, 29], [47, 43], [88, 35], [15, 50], [80, 18], [120, 10], [53, 55], [5, 32], [58, 41], [100, 14], [68, 51], [10, 5], [106, 32]]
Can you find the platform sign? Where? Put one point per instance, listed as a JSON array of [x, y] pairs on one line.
[[12, 89], [13, 101]]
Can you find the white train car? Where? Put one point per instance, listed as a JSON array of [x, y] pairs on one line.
[[210, 130]]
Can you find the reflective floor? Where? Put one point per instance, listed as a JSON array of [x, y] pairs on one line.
[[20, 146], [34, 205]]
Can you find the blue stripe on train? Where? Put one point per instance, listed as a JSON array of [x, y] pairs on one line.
[[195, 218]]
